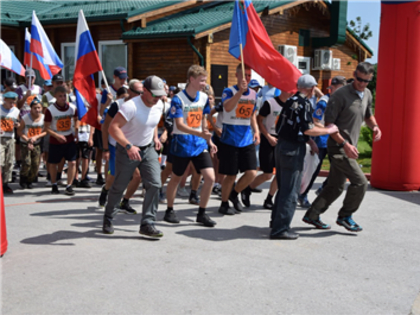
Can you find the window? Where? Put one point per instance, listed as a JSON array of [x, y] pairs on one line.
[[67, 56], [112, 54]]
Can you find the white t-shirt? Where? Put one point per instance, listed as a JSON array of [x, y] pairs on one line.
[[141, 121]]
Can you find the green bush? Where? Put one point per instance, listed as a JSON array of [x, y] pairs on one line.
[[367, 135]]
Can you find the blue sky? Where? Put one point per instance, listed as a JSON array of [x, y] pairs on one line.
[[369, 11]]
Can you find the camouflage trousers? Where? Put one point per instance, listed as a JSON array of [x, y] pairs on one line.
[[7, 153], [30, 162]]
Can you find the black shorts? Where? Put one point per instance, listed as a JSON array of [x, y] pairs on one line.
[[233, 159], [202, 161], [68, 151], [167, 146], [266, 155], [84, 150], [97, 139], [216, 141]]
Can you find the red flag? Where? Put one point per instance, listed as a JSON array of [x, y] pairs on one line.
[[258, 50]]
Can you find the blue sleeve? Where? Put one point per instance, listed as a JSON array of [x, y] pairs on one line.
[[176, 108], [320, 110], [227, 94], [206, 109], [277, 92]]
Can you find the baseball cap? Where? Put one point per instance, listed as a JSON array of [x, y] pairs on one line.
[[58, 78], [338, 80], [48, 83], [11, 95], [172, 88], [254, 83], [306, 81], [155, 85], [30, 73], [11, 81], [121, 72]]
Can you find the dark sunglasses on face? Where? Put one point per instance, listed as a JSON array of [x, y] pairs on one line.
[[137, 92], [363, 80], [153, 95]]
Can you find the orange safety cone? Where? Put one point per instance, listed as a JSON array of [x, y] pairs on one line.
[[3, 234]]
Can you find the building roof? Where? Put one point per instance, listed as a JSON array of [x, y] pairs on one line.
[[195, 20], [19, 12], [361, 41]]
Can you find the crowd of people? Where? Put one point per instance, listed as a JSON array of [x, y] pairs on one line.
[[151, 132]]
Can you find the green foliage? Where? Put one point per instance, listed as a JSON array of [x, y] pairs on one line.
[[363, 32], [367, 135]]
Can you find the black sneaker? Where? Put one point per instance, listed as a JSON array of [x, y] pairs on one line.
[[54, 190], [7, 189], [268, 204], [107, 227], [29, 185], [22, 182], [194, 200], [170, 216], [316, 223], [126, 208], [236, 203], [205, 220], [84, 184], [150, 230], [69, 191], [245, 194], [216, 190], [226, 210], [76, 183], [103, 197], [100, 180]]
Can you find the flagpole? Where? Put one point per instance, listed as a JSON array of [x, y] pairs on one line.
[[106, 81], [30, 80], [242, 60]]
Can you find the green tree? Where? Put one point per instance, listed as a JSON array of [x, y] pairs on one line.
[[363, 32]]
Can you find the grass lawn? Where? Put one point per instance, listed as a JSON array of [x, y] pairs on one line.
[[365, 157]]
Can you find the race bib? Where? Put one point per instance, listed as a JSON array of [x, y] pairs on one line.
[[30, 99], [34, 131], [244, 110], [7, 125], [64, 124], [194, 119]]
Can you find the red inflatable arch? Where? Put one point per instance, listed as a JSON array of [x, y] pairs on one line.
[[396, 158]]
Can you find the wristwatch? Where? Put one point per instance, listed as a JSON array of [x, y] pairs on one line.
[[342, 144], [128, 146]]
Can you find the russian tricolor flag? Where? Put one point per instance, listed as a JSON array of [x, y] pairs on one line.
[[40, 45], [9, 61], [87, 63], [258, 50], [37, 60]]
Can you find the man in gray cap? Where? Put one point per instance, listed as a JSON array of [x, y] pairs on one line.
[[294, 127], [26, 95], [135, 130]]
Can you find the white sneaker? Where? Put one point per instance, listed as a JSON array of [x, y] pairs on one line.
[[182, 192], [48, 184]]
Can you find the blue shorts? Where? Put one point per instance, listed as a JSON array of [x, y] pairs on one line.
[[111, 165]]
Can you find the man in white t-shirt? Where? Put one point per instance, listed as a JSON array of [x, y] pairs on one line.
[[135, 130]]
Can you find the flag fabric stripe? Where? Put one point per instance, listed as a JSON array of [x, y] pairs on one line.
[[9, 61], [87, 63], [37, 61], [41, 45], [258, 50]]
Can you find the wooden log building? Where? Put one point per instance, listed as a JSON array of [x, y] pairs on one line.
[[165, 37]]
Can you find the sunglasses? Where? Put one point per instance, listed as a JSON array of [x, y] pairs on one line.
[[137, 92], [363, 80]]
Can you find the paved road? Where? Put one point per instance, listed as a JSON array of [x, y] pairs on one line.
[[59, 262]]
